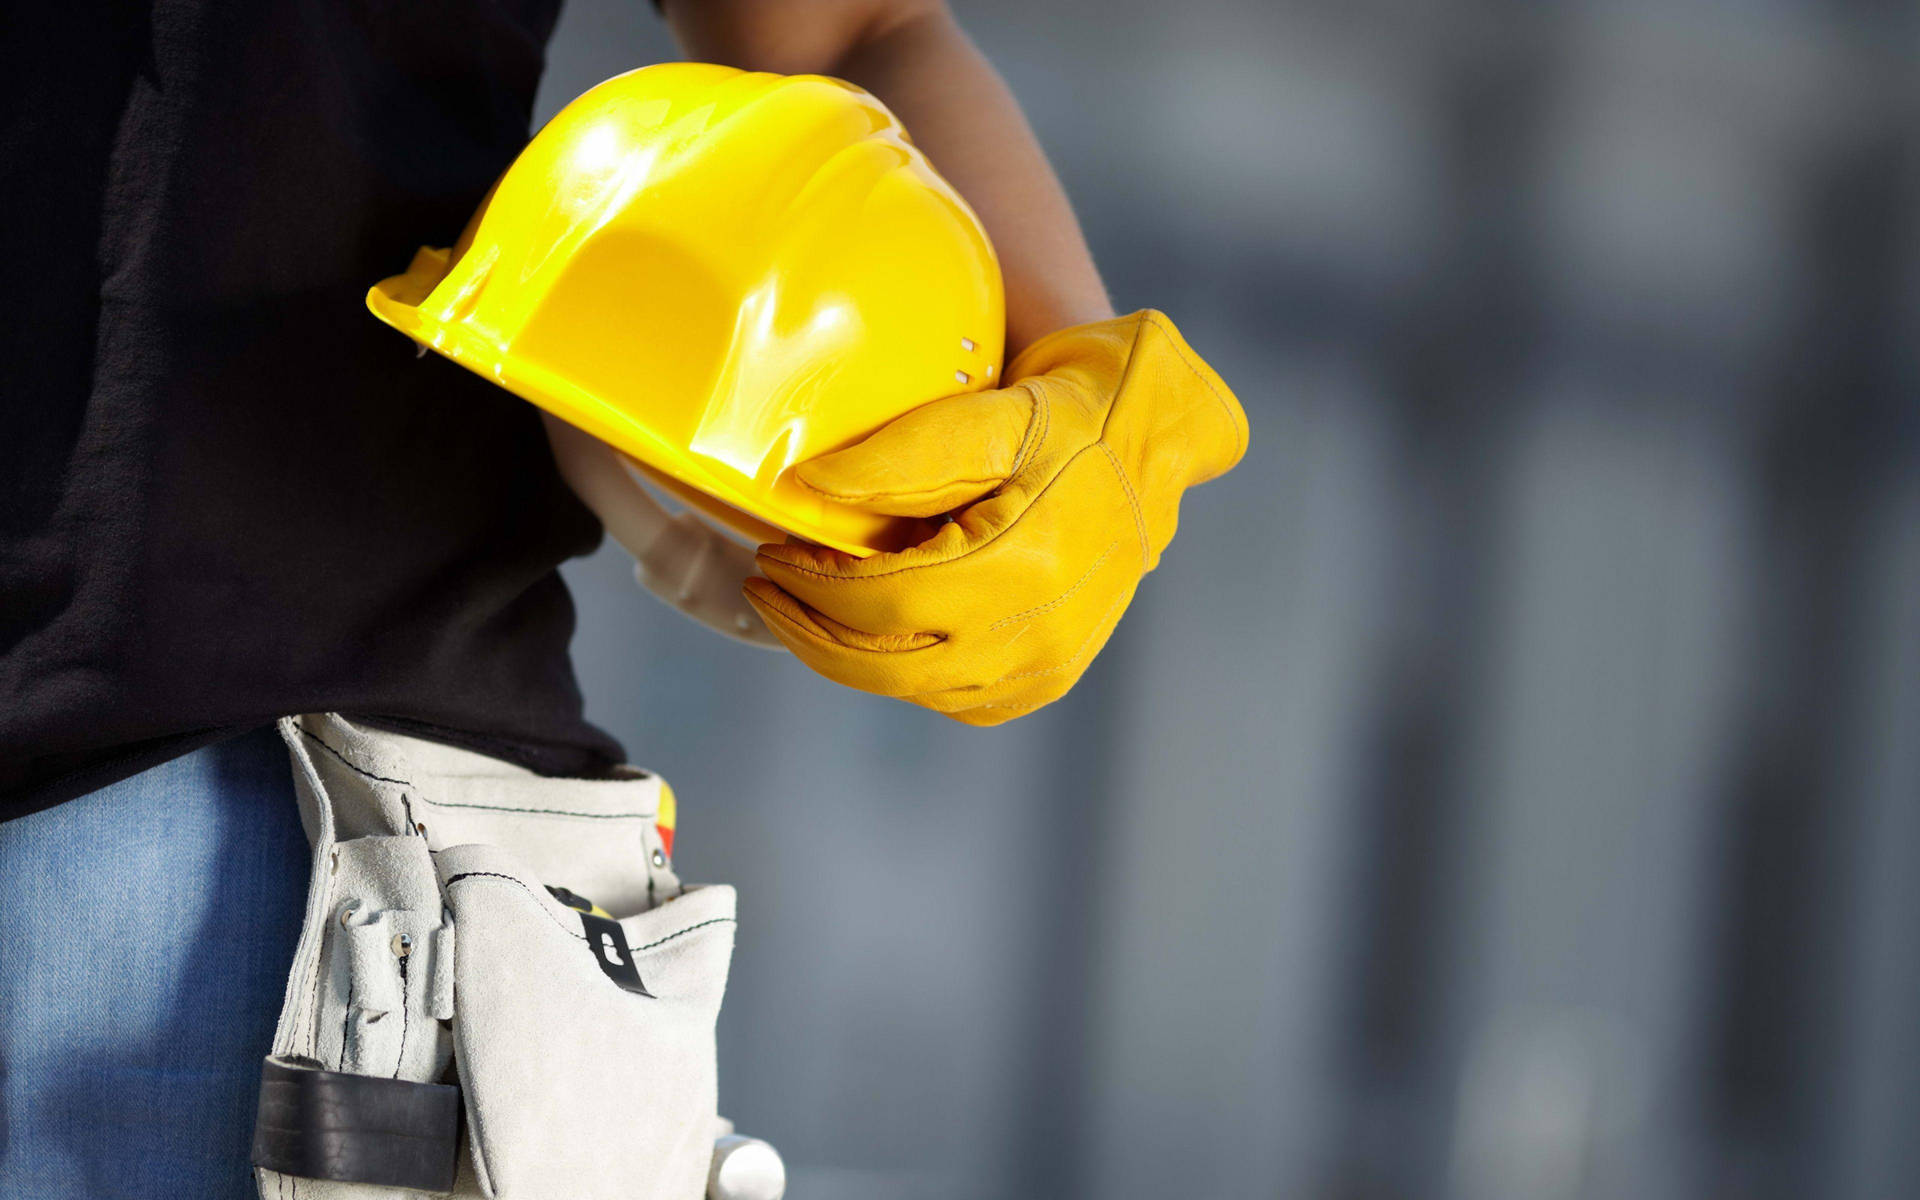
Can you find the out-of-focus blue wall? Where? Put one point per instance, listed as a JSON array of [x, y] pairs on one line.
[[1509, 785]]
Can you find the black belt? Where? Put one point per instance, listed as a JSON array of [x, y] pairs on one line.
[[356, 1128]]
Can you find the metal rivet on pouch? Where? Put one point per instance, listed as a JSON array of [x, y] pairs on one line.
[[346, 913], [402, 945], [334, 861], [659, 857], [420, 827]]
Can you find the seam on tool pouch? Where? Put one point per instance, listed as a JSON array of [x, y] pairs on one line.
[[350, 764], [346, 1028], [523, 887], [570, 933], [554, 812], [680, 933], [400, 1057], [557, 812], [327, 893]]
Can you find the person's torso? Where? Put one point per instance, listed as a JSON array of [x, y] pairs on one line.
[[226, 492]]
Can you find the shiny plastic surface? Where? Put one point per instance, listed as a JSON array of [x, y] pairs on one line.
[[721, 274]]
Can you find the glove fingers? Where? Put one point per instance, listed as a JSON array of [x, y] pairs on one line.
[[882, 633], [884, 665], [824, 628], [887, 593], [1004, 563], [1026, 686], [933, 460], [1064, 489]]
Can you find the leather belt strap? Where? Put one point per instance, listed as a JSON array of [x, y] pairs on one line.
[[356, 1128]]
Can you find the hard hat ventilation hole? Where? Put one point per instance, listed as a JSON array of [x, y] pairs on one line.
[[962, 377], [967, 344]]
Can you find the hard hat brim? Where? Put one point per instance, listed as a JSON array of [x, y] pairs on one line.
[[397, 301]]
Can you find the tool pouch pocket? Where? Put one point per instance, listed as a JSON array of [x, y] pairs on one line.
[[585, 1044], [452, 1028], [354, 1095]]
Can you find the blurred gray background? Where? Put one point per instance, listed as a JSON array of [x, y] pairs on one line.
[[1509, 785]]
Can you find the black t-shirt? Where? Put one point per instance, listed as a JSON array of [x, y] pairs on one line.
[[227, 493]]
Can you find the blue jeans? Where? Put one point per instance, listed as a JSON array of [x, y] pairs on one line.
[[146, 932]]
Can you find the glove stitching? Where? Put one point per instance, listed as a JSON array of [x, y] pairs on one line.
[[1042, 420], [799, 568], [1099, 627], [1126, 377], [1027, 442], [865, 497], [1133, 501], [1113, 459], [1063, 597], [1186, 357], [805, 634]]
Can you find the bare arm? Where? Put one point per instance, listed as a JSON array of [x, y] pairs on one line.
[[915, 58]]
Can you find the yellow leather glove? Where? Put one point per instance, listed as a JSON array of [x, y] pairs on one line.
[[1067, 487]]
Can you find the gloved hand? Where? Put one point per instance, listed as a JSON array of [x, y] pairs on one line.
[[1067, 487]]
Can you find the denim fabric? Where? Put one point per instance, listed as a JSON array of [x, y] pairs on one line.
[[146, 932]]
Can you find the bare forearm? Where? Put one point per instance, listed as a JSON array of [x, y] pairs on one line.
[[915, 58]]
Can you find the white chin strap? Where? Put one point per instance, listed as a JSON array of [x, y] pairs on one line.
[[676, 556]]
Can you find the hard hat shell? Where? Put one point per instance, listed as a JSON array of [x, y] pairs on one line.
[[721, 274]]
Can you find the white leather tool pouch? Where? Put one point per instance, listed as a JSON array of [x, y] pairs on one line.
[[450, 1028], [585, 1045]]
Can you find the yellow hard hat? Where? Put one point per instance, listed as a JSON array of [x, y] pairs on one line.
[[720, 274]]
